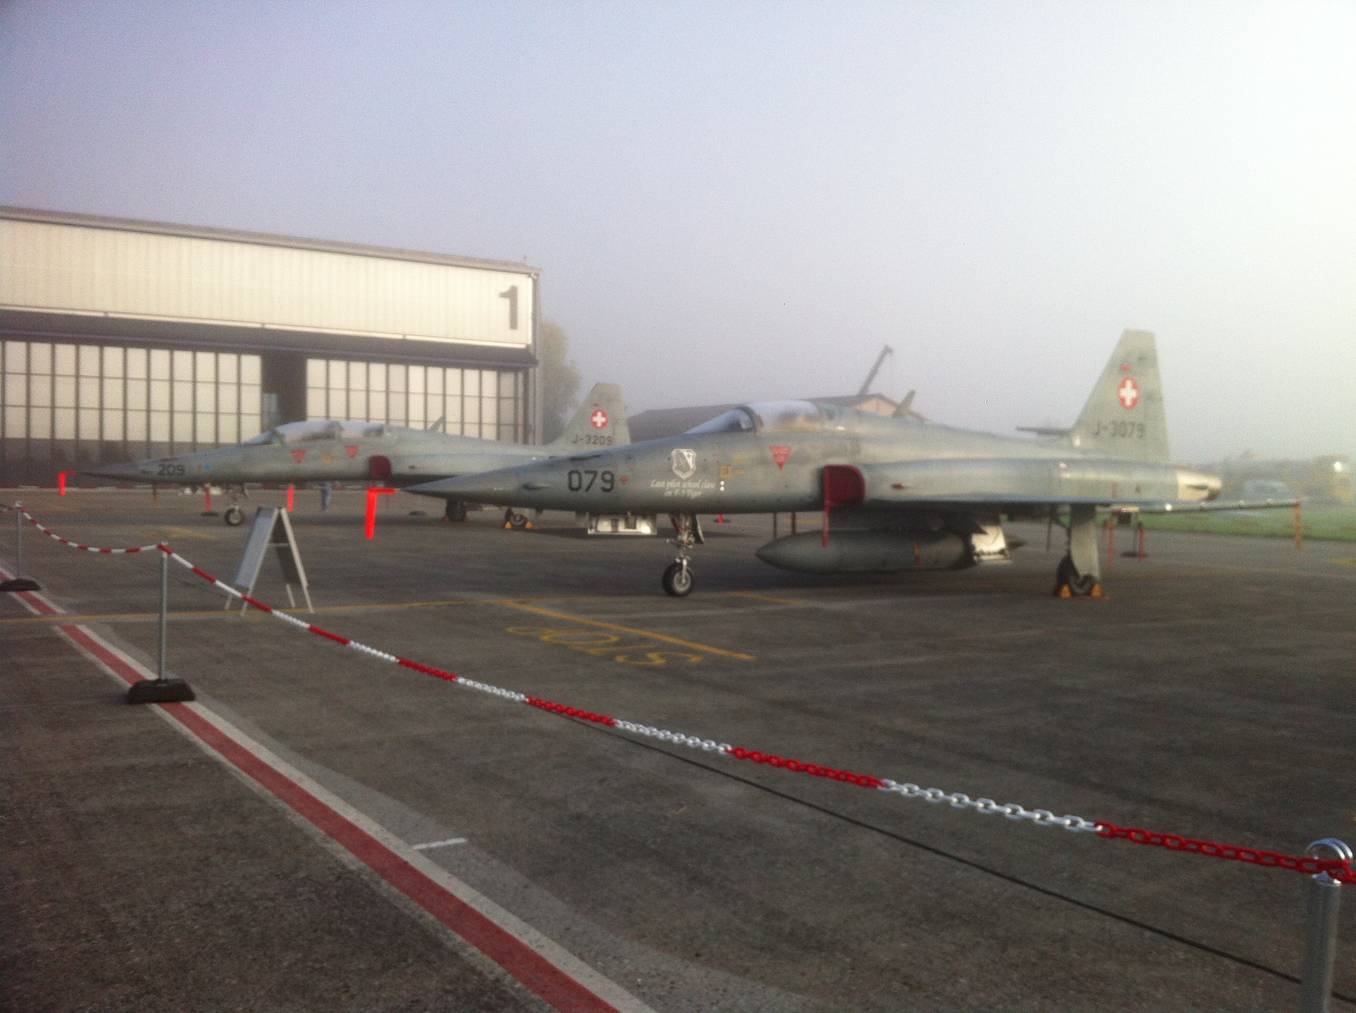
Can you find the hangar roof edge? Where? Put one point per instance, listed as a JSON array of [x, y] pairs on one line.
[[259, 238]]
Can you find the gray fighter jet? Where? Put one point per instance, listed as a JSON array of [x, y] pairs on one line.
[[322, 451], [896, 493]]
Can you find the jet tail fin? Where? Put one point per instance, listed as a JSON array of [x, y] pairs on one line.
[[599, 421], [1124, 414]]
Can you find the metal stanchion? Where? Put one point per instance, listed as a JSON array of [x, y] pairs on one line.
[[160, 689], [1320, 933], [19, 582]]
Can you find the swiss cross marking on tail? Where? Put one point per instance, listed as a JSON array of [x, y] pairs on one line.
[[598, 419], [1128, 393]]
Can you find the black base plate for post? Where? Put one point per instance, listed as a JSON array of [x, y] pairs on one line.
[[160, 691], [20, 584]]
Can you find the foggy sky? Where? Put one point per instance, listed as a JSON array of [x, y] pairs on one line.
[[736, 201]]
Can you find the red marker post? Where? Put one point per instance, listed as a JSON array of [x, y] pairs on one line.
[[61, 483], [372, 495], [292, 499]]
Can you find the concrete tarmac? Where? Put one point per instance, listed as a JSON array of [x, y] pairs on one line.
[[1210, 694]]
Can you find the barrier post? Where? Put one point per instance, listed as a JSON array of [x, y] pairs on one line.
[[19, 582], [160, 689], [1320, 933]]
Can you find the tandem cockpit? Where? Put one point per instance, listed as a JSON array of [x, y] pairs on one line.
[[312, 430], [772, 417]]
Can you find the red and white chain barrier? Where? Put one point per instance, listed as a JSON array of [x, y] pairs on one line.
[[1339, 869]]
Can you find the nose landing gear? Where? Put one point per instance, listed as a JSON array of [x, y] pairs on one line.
[[687, 532], [1078, 574]]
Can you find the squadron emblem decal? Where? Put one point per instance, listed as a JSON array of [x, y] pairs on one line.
[[1128, 393], [684, 463], [781, 453], [299, 456]]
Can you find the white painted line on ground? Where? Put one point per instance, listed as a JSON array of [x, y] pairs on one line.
[[440, 844]]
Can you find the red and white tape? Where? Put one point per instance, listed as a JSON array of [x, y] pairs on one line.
[[1339, 869]]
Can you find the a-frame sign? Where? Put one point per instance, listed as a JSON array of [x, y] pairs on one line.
[[272, 528]]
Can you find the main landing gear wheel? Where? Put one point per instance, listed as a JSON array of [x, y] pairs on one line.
[[233, 516], [515, 520], [677, 580], [455, 510], [1079, 585]]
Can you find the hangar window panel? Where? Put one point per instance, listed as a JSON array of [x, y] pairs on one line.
[[181, 429], [89, 360], [64, 359], [376, 377], [376, 408], [16, 356], [136, 363], [65, 392], [160, 394], [63, 421], [112, 425], [452, 411], [396, 409], [160, 427], [357, 404], [112, 394], [489, 417], [249, 369], [435, 384], [183, 366], [249, 406], [206, 428], [16, 388], [471, 383], [113, 362], [182, 393], [88, 419], [40, 391], [228, 398], [395, 378], [136, 427], [228, 368], [357, 376], [40, 358], [40, 423], [416, 379], [160, 364], [338, 373], [338, 407], [205, 366], [16, 425], [315, 402], [228, 428], [205, 397]]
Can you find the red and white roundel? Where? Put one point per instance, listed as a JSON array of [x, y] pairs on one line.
[[598, 419], [1128, 393]]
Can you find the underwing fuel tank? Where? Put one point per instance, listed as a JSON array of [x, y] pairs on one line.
[[868, 552]]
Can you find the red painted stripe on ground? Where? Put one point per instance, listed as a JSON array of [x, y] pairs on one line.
[[516, 957]]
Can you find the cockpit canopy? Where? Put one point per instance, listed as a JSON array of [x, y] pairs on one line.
[[316, 429], [769, 417]]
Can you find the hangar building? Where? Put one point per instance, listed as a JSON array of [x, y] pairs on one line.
[[129, 339]]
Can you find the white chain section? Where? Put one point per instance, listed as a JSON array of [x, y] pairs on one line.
[[955, 799], [987, 806], [75, 545], [691, 741]]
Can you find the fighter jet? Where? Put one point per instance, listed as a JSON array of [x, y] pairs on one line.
[[322, 450], [896, 493]]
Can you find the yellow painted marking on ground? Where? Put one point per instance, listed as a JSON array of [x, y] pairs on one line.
[[234, 612], [1346, 561], [522, 606], [776, 599]]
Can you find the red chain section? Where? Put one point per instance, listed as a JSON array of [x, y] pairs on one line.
[[419, 666], [1338, 869], [814, 769], [570, 712]]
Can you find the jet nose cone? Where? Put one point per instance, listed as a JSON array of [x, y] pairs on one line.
[[128, 471]]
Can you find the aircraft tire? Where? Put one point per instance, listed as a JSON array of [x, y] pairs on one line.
[[516, 520], [455, 510], [233, 516], [1079, 584], [677, 580]]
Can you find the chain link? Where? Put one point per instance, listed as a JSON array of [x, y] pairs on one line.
[[988, 807]]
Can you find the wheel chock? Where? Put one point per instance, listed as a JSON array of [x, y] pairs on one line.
[[1064, 591], [508, 526], [1096, 591], [160, 691], [529, 526]]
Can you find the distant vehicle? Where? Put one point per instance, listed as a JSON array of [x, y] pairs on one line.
[[1266, 488], [322, 450], [1325, 479], [897, 493]]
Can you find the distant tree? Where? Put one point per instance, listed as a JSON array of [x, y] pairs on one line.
[[559, 379]]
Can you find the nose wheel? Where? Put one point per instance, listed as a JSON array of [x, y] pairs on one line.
[[233, 516], [677, 580]]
